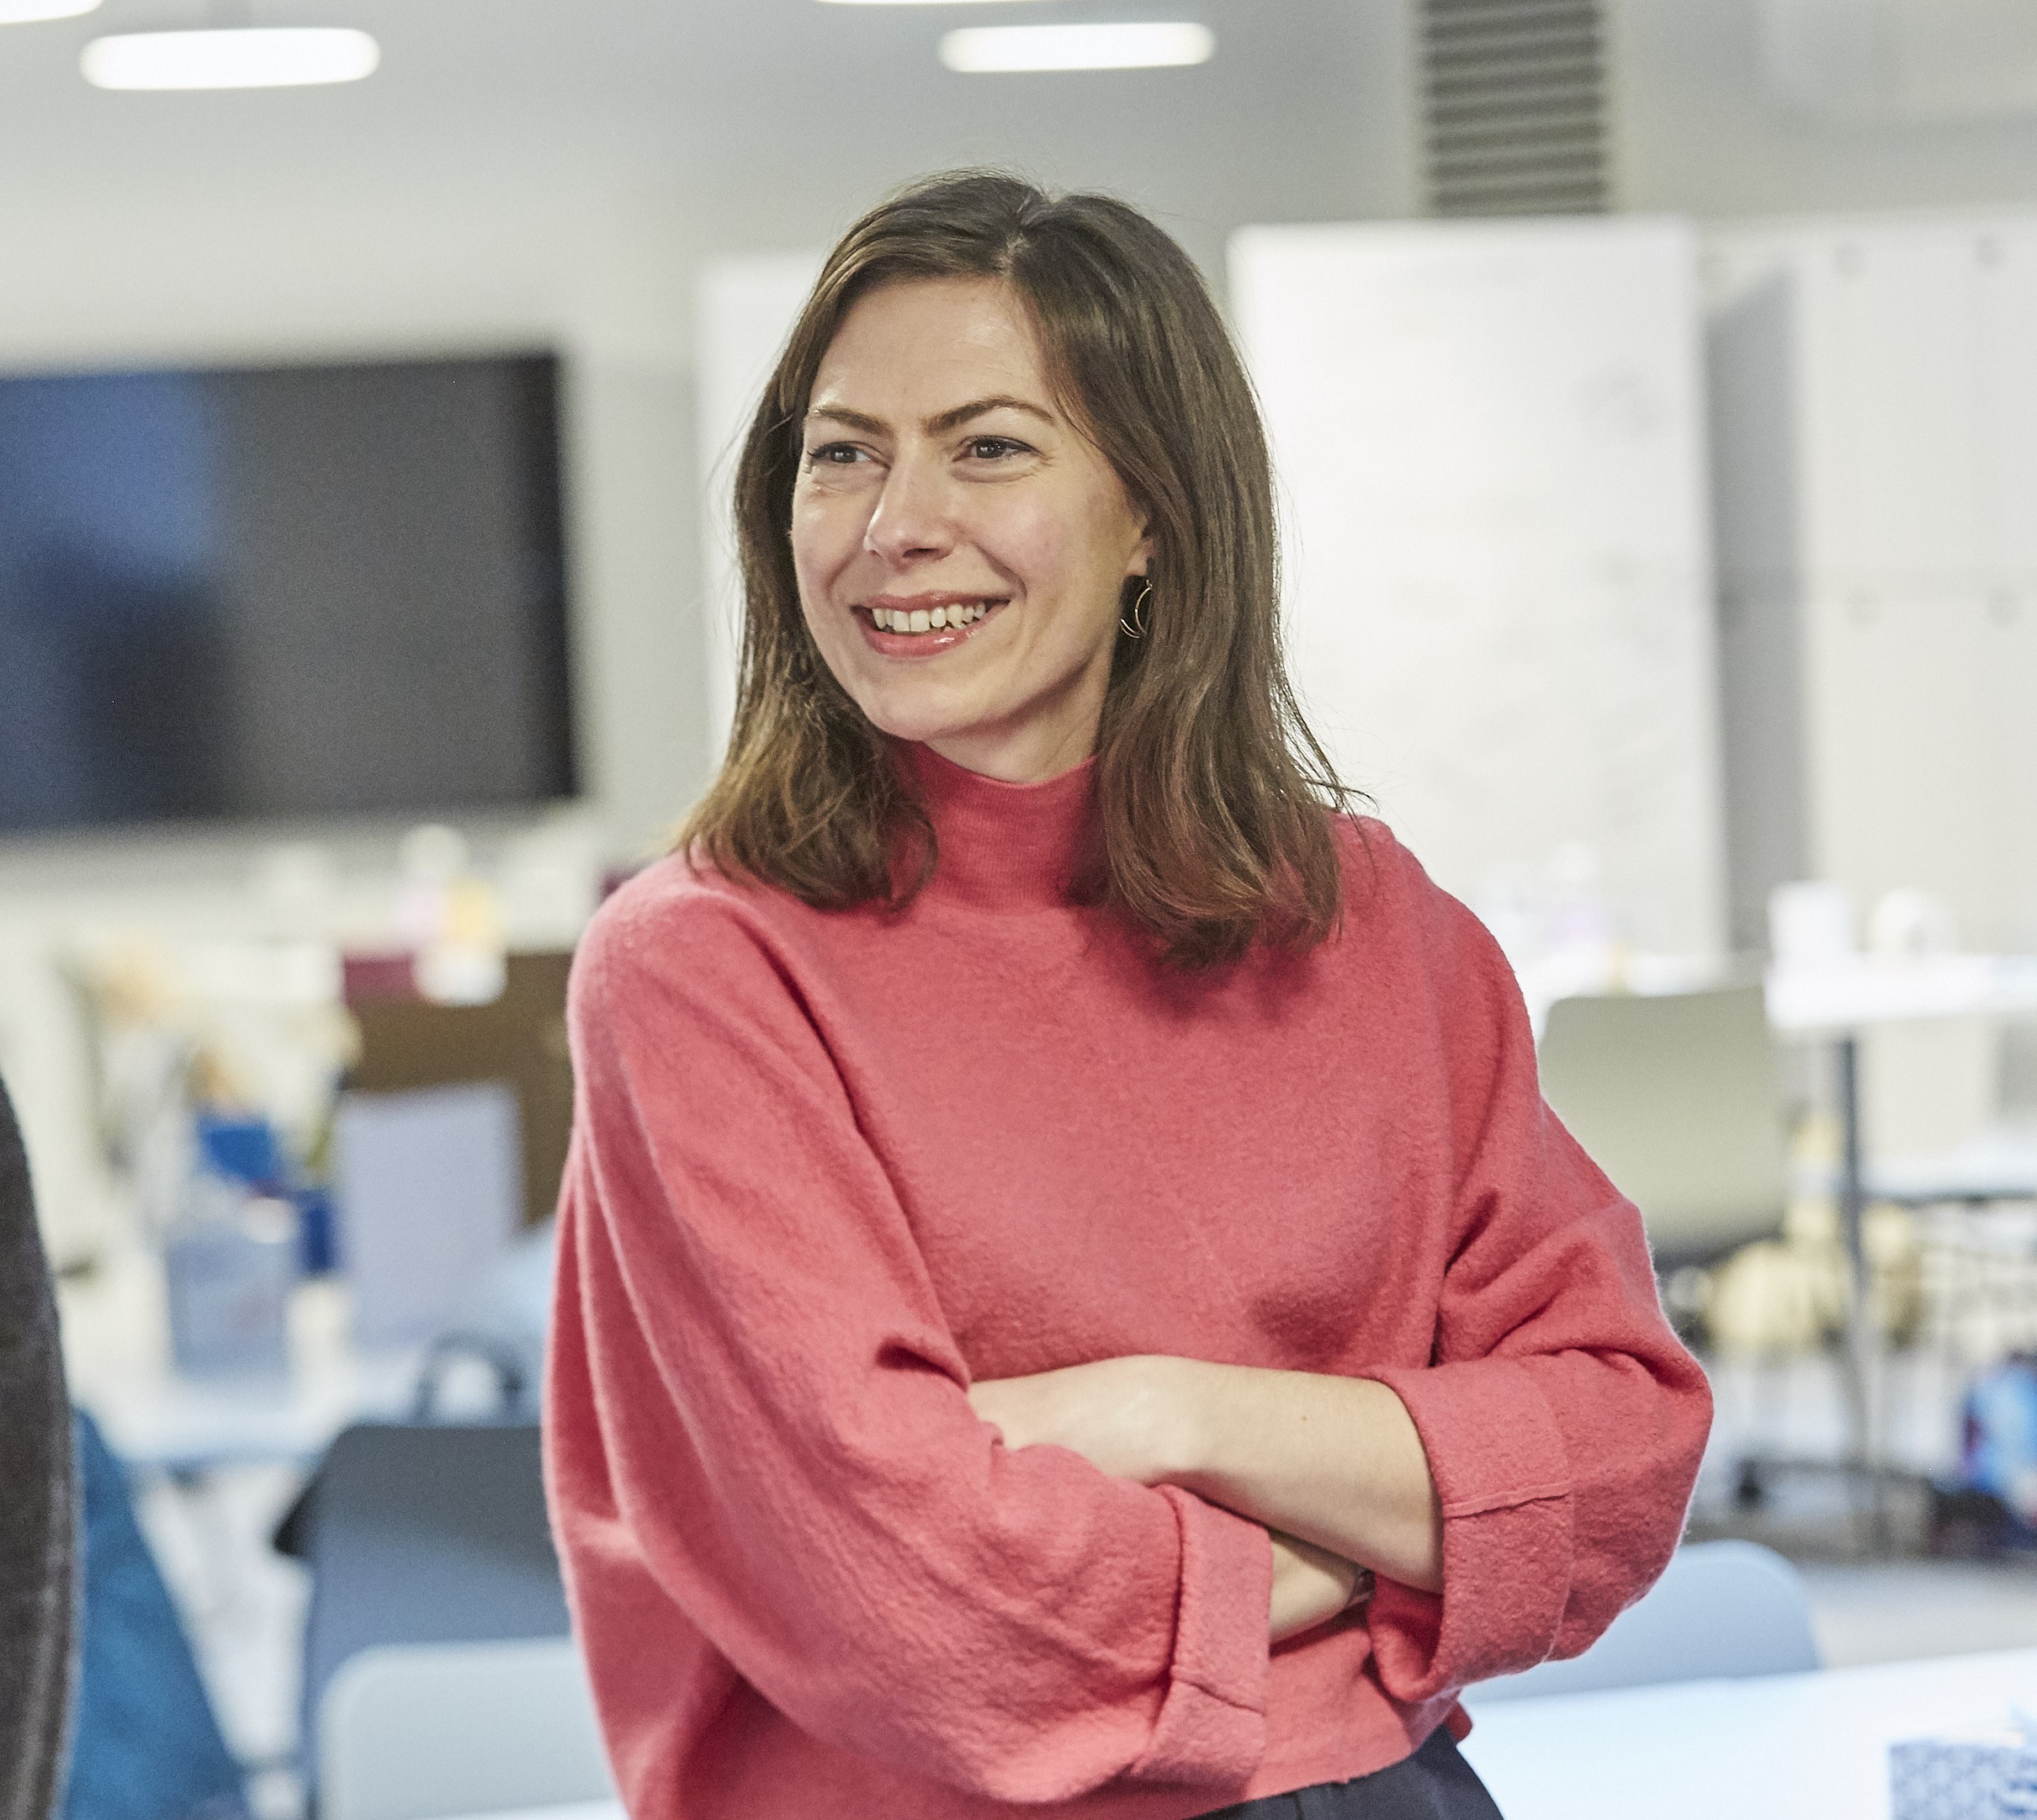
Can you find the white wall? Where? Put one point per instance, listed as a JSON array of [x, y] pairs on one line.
[[1878, 380], [1703, 131], [745, 308], [1490, 443]]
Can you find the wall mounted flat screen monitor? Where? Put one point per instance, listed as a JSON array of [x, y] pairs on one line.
[[281, 593]]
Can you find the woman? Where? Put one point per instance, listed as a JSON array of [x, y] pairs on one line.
[[1070, 1296]]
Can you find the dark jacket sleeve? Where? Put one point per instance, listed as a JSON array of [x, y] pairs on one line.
[[38, 1512]]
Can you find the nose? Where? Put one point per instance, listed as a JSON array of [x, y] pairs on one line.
[[911, 521]]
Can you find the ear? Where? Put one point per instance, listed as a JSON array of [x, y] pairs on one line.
[[1142, 557]]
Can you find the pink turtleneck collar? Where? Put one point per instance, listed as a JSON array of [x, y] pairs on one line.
[[1004, 846]]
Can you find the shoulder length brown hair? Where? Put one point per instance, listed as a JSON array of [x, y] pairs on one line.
[[1211, 790]]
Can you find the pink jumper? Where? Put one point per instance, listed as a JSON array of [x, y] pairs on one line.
[[829, 1168]]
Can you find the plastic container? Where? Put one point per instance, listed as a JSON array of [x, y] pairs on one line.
[[230, 1264]]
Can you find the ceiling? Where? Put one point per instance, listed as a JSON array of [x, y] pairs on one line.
[[765, 118]]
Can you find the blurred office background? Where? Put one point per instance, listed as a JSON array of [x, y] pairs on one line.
[[1654, 384]]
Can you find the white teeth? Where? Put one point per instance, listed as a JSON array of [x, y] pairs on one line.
[[926, 620]]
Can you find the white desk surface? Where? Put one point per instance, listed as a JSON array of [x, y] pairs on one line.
[[1784, 1747], [1827, 998], [1831, 997]]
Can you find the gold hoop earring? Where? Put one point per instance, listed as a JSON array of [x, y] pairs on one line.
[[1136, 629]]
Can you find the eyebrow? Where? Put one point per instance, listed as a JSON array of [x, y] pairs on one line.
[[936, 426]]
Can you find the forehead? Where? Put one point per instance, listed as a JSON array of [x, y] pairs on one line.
[[920, 346]]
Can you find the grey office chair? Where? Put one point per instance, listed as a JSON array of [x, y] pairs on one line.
[[1721, 1610], [410, 1731], [38, 1513], [422, 1533], [1675, 1097]]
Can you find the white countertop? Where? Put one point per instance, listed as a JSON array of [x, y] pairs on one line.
[[1849, 991], [1784, 1747]]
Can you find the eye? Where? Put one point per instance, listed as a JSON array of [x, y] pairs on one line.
[[994, 448], [835, 456]]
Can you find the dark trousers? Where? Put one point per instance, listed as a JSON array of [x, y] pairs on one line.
[[1434, 1784]]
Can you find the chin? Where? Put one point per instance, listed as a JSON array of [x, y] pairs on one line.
[[918, 713], [921, 729]]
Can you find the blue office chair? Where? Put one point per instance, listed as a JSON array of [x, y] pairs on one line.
[[1721, 1610]]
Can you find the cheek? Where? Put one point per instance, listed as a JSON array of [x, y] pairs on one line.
[[1036, 546], [827, 532], [1074, 560], [818, 556]]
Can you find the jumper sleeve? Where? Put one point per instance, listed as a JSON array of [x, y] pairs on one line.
[[759, 1429], [1563, 1420]]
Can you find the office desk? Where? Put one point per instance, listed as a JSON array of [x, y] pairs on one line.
[[1783, 1747], [1836, 1000]]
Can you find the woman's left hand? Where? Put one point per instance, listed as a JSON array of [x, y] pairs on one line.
[[1128, 1416]]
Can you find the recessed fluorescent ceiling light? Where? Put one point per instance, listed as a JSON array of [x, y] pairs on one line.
[[989, 49], [246, 57], [22, 11]]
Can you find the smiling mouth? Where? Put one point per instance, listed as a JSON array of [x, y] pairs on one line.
[[917, 621]]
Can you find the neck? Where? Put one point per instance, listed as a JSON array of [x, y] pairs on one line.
[[1004, 844], [1020, 760]]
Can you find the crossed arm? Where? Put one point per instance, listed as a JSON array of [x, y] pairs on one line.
[[1333, 1466]]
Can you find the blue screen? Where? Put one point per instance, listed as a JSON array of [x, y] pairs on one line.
[[281, 593]]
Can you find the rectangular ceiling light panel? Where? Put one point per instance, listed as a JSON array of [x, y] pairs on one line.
[[24, 12], [1001, 48], [283, 58]]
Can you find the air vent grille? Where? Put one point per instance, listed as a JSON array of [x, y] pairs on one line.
[[1514, 93]]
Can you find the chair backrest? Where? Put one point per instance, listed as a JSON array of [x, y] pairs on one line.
[[412, 1732], [1674, 1096], [39, 1512], [424, 1535], [1721, 1610]]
